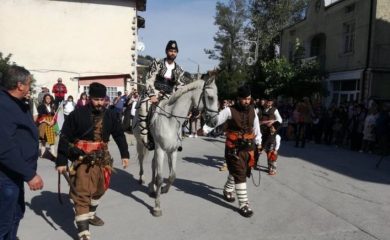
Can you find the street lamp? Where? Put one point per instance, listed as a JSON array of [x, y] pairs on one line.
[[189, 59]]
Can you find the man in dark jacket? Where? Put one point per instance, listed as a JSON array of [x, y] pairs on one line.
[[87, 131], [18, 150]]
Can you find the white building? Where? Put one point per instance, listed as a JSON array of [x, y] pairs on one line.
[[73, 39]]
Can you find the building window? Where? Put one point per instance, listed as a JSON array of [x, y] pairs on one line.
[[349, 9], [344, 91], [86, 89], [349, 37], [290, 51], [112, 92]]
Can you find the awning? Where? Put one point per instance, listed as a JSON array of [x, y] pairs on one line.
[[347, 75]]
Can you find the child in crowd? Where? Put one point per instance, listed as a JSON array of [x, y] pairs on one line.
[[271, 147]]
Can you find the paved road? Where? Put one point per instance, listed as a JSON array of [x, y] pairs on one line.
[[319, 193]]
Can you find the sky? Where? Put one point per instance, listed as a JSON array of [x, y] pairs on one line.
[[189, 22]]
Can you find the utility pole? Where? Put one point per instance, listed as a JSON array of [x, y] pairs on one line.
[[189, 59]]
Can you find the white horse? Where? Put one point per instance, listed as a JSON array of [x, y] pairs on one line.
[[165, 127]]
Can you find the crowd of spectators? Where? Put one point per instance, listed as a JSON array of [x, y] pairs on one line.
[[350, 125], [355, 126]]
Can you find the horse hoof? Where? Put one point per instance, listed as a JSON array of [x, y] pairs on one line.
[[157, 212], [140, 181]]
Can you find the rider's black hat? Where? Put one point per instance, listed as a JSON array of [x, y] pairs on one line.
[[172, 44]]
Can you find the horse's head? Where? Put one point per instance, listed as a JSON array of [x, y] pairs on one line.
[[210, 101]]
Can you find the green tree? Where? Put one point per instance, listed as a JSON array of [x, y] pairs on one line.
[[268, 18], [230, 19], [4, 63], [292, 80]]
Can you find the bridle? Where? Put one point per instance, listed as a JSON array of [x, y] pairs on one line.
[[202, 98]]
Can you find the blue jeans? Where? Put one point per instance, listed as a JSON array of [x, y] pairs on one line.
[[11, 207]]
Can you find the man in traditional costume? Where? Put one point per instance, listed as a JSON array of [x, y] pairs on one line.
[[163, 78], [84, 138], [242, 137]]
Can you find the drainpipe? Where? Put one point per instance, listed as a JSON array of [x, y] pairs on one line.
[[365, 76]]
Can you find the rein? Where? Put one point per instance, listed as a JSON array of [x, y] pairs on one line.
[[202, 98]]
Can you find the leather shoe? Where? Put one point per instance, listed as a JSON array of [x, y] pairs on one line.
[[84, 237], [96, 221], [245, 211]]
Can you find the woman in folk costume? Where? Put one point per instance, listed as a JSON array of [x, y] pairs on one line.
[[242, 137], [46, 112]]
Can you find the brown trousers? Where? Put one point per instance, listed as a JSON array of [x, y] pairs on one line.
[[238, 165], [89, 183]]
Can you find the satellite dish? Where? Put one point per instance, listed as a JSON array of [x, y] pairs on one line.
[[140, 46]]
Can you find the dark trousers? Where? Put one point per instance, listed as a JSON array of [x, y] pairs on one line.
[[237, 164], [356, 141], [300, 134], [11, 207], [58, 100]]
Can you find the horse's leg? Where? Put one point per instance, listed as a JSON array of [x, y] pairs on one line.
[[159, 161], [152, 184], [172, 171], [142, 155]]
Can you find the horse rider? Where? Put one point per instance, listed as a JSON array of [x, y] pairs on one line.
[[243, 138], [84, 138], [163, 78]]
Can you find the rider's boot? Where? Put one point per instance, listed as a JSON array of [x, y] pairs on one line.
[[145, 135]]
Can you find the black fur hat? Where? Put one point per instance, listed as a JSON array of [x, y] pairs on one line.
[[97, 90], [243, 91], [172, 44]]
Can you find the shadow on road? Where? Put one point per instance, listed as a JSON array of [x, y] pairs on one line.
[[214, 140], [210, 161], [202, 190], [46, 205], [357, 165], [125, 183]]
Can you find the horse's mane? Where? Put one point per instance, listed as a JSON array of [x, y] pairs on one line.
[[186, 88]]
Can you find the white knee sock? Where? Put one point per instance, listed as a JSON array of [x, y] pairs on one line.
[[242, 195], [229, 185]]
